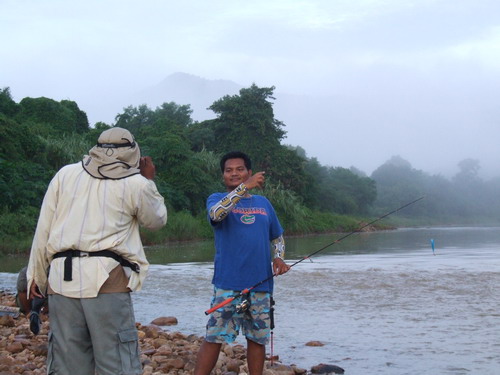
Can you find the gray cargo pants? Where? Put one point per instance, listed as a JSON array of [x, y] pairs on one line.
[[93, 336]]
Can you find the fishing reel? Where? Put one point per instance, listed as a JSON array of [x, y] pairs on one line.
[[243, 305]]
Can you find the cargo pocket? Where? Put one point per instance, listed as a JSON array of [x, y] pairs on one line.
[[50, 356], [129, 351]]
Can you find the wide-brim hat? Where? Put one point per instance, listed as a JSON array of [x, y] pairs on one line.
[[116, 155]]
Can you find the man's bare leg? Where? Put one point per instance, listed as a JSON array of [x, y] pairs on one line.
[[207, 358], [256, 354]]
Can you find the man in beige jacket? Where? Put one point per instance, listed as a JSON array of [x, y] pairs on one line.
[[88, 235]]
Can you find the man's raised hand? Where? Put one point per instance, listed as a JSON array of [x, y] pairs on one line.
[[147, 167], [257, 180]]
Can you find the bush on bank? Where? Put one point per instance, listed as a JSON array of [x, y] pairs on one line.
[[16, 230]]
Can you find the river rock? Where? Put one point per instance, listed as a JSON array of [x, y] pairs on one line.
[[40, 350], [299, 371], [15, 347], [6, 361], [314, 343], [165, 321], [151, 331], [326, 369], [279, 369], [233, 365], [7, 321], [164, 350]]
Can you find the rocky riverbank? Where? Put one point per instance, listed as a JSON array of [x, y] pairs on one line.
[[162, 351]]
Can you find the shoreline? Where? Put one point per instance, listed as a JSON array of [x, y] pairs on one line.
[[162, 351]]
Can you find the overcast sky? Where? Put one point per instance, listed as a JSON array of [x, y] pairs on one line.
[[419, 79]]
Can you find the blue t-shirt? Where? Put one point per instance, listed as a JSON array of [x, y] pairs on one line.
[[243, 244]]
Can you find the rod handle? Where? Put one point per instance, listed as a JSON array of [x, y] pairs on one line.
[[223, 303]]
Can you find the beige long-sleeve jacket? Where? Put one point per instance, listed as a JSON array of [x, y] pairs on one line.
[[89, 214]]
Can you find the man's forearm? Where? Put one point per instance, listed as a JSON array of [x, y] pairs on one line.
[[223, 207], [279, 247]]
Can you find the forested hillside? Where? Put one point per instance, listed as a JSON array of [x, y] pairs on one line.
[[39, 135]]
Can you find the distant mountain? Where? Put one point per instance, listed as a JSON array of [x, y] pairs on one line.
[[305, 117], [183, 88], [358, 129]]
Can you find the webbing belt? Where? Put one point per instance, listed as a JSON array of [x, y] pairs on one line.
[[70, 254]]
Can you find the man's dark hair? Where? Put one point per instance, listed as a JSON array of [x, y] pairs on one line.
[[235, 155]]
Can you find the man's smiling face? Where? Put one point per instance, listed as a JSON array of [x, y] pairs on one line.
[[235, 172]]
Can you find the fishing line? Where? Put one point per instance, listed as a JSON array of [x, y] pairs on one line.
[[245, 291]]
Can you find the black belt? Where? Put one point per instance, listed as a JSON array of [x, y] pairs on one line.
[[70, 254]]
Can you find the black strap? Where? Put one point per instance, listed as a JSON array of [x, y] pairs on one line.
[[116, 145], [271, 313], [70, 254]]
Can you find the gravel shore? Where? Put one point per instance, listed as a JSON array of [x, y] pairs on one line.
[[162, 351]]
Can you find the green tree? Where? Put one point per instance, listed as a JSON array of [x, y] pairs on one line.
[[18, 142], [93, 134], [22, 184], [398, 183], [183, 178], [80, 122], [135, 118], [8, 106], [67, 149], [246, 122], [469, 172], [201, 136], [471, 188], [174, 114], [49, 117], [353, 194]]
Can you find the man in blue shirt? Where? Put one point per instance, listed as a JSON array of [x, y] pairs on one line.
[[246, 229]]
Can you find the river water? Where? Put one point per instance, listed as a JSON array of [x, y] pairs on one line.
[[380, 302]]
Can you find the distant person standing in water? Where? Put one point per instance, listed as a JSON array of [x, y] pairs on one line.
[[88, 234], [246, 229]]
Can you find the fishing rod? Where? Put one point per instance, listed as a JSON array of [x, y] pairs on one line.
[[247, 290]]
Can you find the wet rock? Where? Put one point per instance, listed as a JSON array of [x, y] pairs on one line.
[[234, 365], [151, 331], [149, 352], [40, 350], [15, 347], [193, 338], [164, 350], [160, 341], [299, 371], [165, 321], [314, 343], [6, 360], [326, 369], [176, 363], [7, 321], [279, 369]]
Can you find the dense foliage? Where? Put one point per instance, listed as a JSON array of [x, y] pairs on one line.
[[39, 135], [465, 199]]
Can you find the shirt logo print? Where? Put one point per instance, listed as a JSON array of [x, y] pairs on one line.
[[247, 219]]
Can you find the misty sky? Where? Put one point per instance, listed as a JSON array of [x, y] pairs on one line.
[[419, 79]]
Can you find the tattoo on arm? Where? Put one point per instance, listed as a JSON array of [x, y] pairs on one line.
[[223, 207], [279, 247]]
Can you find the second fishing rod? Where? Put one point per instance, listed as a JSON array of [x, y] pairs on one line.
[[247, 290]]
